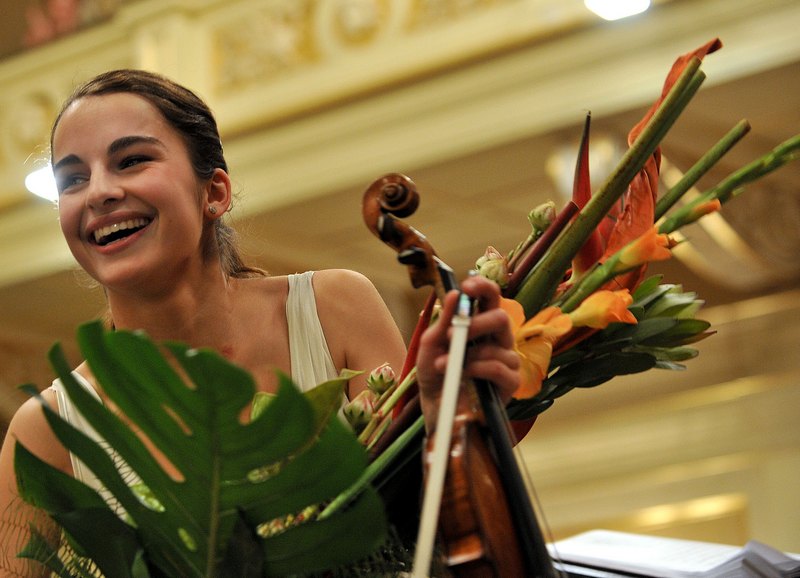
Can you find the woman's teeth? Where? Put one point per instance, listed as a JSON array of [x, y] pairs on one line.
[[105, 235]]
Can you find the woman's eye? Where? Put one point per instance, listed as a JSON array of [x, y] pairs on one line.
[[132, 161], [68, 181]]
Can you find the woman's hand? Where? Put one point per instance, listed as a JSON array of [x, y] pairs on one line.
[[490, 356]]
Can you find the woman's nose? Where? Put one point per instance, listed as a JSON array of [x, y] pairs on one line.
[[103, 190]]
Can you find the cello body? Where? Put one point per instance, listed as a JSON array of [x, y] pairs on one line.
[[475, 536]]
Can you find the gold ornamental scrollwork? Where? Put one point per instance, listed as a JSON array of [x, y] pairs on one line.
[[265, 43], [428, 13], [269, 41], [358, 22]]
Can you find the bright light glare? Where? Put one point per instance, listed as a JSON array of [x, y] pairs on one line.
[[41, 182], [616, 9]]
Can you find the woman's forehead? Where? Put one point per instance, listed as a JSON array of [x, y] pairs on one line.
[[100, 117]]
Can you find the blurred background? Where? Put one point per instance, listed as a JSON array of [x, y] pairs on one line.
[[481, 102]]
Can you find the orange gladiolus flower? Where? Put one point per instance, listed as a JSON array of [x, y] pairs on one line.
[[650, 246], [603, 308], [533, 341]]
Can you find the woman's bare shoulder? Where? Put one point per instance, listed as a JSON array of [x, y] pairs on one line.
[[358, 325], [335, 284], [30, 428]]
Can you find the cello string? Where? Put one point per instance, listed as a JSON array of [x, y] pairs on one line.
[[535, 498]]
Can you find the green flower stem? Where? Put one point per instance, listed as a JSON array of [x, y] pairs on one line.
[[399, 391], [374, 469], [534, 253], [784, 153], [701, 167], [592, 281], [381, 429], [583, 287], [368, 429], [387, 404], [543, 280], [515, 254]]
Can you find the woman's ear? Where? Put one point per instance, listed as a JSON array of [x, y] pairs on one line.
[[217, 194]]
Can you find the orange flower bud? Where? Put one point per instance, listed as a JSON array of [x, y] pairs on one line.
[[651, 246], [603, 308], [703, 209]]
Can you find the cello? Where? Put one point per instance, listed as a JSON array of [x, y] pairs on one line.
[[475, 498]]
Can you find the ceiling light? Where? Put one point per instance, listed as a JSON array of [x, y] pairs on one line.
[[616, 9], [42, 183]]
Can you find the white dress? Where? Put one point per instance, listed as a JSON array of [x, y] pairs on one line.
[[311, 364]]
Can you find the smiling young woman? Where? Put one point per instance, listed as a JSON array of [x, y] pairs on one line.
[[143, 195]]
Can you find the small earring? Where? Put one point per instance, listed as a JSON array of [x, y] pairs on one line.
[[212, 210]]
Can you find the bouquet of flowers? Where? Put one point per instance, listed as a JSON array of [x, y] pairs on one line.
[[298, 498], [576, 289]]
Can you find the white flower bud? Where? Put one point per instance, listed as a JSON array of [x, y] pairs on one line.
[[541, 217], [381, 378], [359, 411], [493, 266]]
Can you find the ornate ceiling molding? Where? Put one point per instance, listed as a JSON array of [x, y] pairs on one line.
[[366, 85]]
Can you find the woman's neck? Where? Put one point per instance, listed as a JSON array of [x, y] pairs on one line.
[[197, 312]]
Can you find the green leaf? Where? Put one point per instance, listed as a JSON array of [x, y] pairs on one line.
[[295, 453], [682, 330], [302, 548], [674, 304], [670, 353], [62, 496], [521, 409], [592, 372], [620, 335], [649, 288], [243, 557], [39, 549], [669, 365]]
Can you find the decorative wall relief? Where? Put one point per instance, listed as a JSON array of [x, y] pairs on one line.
[[31, 23], [265, 43], [272, 39]]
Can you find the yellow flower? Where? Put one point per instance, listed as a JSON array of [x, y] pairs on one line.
[[650, 246], [602, 308], [533, 341]]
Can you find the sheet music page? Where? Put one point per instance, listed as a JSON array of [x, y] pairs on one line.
[[647, 555], [769, 562]]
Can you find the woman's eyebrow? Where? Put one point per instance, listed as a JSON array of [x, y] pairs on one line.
[[67, 160], [127, 141], [116, 146]]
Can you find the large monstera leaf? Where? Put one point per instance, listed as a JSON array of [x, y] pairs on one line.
[[234, 475]]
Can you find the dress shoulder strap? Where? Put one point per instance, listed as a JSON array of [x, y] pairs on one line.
[[70, 413], [311, 361]]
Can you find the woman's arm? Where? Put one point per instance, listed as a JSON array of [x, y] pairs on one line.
[[359, 328], [361, 332], [31, 429]]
